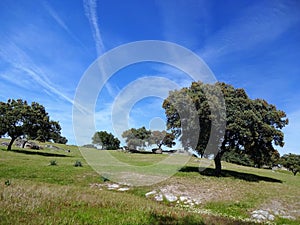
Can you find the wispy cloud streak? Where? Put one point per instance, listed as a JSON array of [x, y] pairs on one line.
[[90, 9], [257, 24], [61, 23], [19, 60], [22, 62]]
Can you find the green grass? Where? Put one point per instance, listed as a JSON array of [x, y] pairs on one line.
[[42, 194], [138, 159]]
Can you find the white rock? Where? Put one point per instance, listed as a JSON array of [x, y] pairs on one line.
[[271, 217], [150, 193], [123, 189], [189, 201], [159, 197], [258, 217], [183, 198], [112, 186], [261, 215], [171, 197]]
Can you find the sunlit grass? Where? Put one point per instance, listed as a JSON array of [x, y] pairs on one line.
[[41, 194]]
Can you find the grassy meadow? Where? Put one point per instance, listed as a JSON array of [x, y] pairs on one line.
[[34, 192]]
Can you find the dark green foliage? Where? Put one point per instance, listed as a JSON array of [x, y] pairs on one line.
[[106, 140], [7, 183], [252, 126], [53, 163], [238, 157], [162, 138], [59, 139], [136, 137], [18, 119], [291, 162], [104, 179]]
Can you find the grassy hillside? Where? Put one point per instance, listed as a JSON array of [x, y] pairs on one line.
[[33, 192]]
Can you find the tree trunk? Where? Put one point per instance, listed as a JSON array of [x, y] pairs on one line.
[[295, 172], [24, 143], [11, 143], [218, 166]]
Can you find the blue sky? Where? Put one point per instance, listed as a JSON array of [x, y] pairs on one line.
[[46, 46]]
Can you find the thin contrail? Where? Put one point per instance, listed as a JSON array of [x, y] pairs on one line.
[[22, 62], [61, 23], [90, 9]]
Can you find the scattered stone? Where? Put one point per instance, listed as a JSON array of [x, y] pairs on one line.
[[31, 145], [183, 198], [289, 217], [170, 197], [182, 201], [157, 150], [262, 215], [4, 143], [123, 189], [189, 201], [159, 197], [112, 186], [197, 202], [150, 193]]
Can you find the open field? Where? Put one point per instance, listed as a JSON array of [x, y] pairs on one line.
[[38, 193]]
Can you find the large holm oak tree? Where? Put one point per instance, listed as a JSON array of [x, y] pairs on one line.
[[252, 126], [19, 119]]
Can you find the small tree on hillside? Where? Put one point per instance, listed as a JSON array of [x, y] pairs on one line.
[[137, 137], [18, 119], [291, 162], [106, 140], [161, 138]]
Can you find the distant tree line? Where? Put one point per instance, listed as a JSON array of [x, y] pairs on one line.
[[142, 137], [135, 138]]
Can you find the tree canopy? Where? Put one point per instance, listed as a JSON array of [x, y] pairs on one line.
[[161, 138], [291, 162], [136, 137], [106, 140], [19, 119], [252, 126]]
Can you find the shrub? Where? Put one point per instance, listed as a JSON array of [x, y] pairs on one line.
[[7, 182], [53, 163], [238, 157], [78, 163]]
